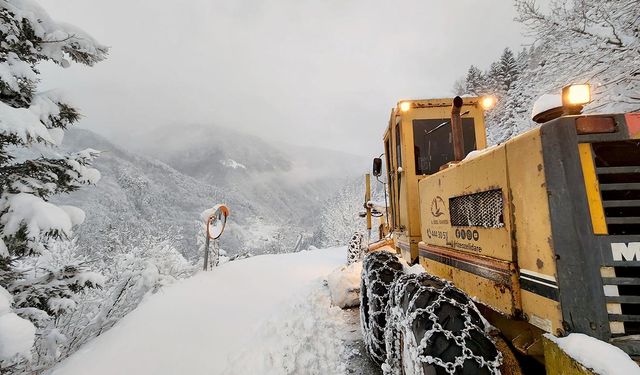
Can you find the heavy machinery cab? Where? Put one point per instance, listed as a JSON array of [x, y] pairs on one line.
[[419, 142], [543, 230]]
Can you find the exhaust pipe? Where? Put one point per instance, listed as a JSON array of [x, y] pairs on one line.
[[456, 129]]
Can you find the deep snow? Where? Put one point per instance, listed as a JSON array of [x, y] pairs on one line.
[[603, 358], [266, 314]]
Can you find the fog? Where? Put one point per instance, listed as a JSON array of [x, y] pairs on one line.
[[322, 73]]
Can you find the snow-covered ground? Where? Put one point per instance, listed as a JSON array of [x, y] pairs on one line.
[[268, 314]]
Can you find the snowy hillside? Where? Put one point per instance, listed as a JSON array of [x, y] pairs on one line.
[[291, 182], [269, 314], [140, 197]]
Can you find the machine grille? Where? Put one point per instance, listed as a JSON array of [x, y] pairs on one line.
[[618, 170], [626, 283], [484, 209]]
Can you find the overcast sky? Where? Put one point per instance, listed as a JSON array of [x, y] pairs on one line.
[[309, 72]]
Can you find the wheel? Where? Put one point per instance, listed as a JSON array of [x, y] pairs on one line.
[[434, 328], [379, 271], [356, 249]]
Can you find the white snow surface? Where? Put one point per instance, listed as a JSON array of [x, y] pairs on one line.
[[545, 103], [232, 164], [16, 337], [76, 215], [344, 284], [4, 252], [267, 314], [475, 153], [16, 334], [39, 216], [601, 357], [24, 123]]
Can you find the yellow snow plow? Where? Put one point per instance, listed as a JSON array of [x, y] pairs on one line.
[[542, 232]]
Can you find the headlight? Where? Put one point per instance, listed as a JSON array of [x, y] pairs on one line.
[[405, 106], [576, 95], [488, 102]]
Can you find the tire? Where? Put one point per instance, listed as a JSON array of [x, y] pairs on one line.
[[356, 249], [379, 271], [435, 329]]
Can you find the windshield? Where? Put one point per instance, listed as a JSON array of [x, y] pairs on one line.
[[434, 147]]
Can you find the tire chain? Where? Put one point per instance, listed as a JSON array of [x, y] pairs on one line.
[[356, 249], [379, 271], [406, 291]]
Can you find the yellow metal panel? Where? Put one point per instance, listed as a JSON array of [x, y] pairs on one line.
[[556, 361], [593, 189], [499, 297], [532, 226], [530, 204], [542, 312], [483, 173]]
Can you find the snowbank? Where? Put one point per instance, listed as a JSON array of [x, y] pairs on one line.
[[601, 357], [301, 337], [344, 284], [16, 334], [213, 323]]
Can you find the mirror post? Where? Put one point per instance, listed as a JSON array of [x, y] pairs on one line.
[[206, 252], [367, 206]]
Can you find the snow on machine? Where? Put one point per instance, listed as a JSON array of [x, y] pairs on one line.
[[523, 243]]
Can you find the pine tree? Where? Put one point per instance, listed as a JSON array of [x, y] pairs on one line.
[[474, 81], [507, 71], [492, 84], [32, 123]]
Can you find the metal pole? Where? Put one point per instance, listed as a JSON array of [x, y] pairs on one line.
[[216, 254], [206, 252], [456, 129]]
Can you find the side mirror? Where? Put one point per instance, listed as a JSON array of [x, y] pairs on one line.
[[377, 167]]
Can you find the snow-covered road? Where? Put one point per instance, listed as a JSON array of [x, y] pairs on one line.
[[266, 314]]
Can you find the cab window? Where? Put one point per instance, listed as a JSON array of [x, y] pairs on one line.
[[398, 147], [433, 147]]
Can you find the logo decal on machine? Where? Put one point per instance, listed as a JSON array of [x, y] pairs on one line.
[[437, 206], [623, 252]]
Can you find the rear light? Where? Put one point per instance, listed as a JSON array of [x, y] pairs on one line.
[[633, 124], [592, 125]]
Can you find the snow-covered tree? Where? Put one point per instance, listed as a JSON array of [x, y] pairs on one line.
[[341, 216], [475, 81], [32, 123], [591, 41], [508, 71], [491, 84], [596, 41]]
